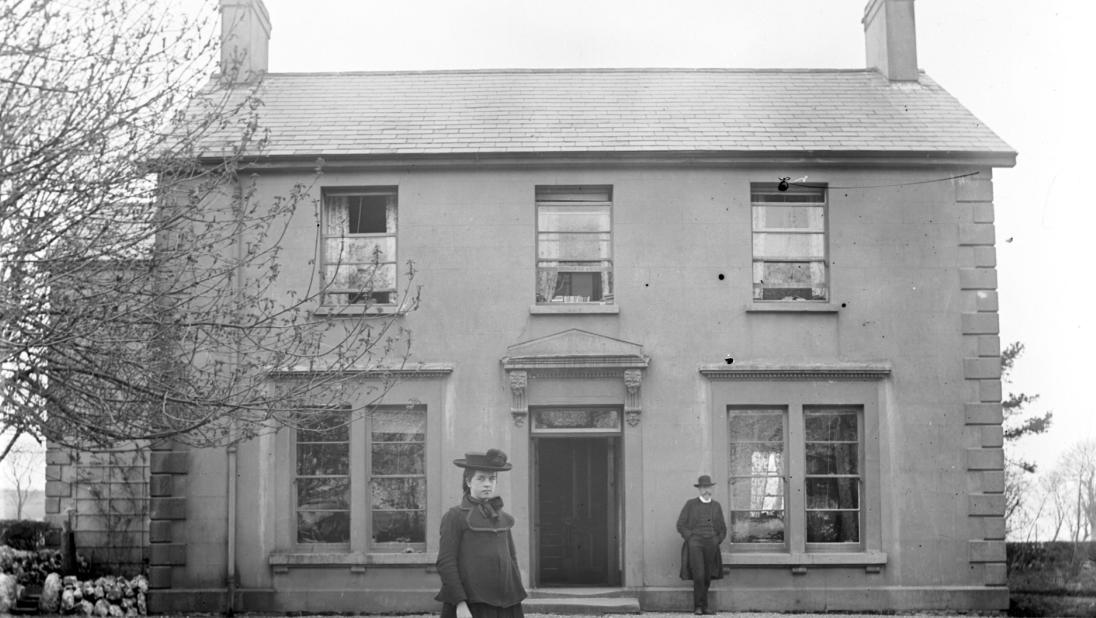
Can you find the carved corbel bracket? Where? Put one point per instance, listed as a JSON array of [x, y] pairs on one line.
[[519, 403], [633, 405]]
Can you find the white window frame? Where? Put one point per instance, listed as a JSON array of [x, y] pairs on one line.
[[572, 196], [858, 477], [296, 479], [794, 387], [734, 479], [796, 506], [361, 478], [332, 294], [764, 195], [372, 476]]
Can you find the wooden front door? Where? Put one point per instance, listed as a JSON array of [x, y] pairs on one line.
[[576, 511]]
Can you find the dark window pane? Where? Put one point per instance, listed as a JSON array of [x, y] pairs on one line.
[[794, 194], [584, 286], [356, 298], [398, 494], [573, 193], [757, 427], [323, 426], [399, 425], [756, 527], [367, 214], [323, 459], [833, 527], [399, 459], [575, 418], [323, 527], [399, 527], [832, 458], [323, 493], [833, 493], [831, 427]]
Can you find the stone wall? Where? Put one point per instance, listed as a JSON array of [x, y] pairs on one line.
[[106, 492]]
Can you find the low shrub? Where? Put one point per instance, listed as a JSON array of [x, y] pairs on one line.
[[1053, 567], [30, 568], [26, 534]]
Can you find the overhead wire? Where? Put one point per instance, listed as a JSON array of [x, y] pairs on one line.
[[784, 184]]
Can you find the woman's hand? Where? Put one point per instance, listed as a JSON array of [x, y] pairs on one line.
[[463, 611]]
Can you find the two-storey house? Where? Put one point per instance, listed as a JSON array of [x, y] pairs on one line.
[[781, 278]]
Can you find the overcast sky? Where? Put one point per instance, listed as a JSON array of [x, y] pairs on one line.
[[1019, 65]]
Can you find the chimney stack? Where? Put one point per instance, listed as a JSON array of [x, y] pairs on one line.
[[891, 39], [245, 40]]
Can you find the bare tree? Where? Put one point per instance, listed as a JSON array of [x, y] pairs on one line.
[[1078, 472], [1047, 508], [140, 277], [23, 462]]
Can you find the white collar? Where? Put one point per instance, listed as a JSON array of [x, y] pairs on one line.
[[704, 500]]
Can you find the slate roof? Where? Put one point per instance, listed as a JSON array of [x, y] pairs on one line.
[[618, 110]]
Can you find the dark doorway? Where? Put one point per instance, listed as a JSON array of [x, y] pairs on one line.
[[576, 511]]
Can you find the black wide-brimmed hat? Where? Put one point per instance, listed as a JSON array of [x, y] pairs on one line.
[[493, 460], [704, 481]]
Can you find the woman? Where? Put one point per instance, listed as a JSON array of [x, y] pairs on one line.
[[476, 559]]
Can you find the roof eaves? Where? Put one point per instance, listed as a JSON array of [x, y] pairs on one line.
[[637, 158]]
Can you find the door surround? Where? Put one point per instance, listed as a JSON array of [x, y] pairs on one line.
[[578, 367]]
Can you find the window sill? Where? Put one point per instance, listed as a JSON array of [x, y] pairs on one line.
[[353, 311], [839, 559], [573, 308], [792, 307], [355, 561]]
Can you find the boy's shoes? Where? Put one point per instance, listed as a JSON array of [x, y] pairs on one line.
[[698, 612]]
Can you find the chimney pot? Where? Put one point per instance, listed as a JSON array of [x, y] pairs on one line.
[[245, 40], [890, 38]]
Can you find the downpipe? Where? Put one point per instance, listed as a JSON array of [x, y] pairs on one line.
[[231, 451]]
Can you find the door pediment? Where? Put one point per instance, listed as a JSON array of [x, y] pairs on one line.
[[575, 348]]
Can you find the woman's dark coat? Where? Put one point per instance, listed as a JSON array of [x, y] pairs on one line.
[[694, 515], [477, 561]]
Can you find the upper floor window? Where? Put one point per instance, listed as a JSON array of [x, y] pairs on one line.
[[359, 246], [789, 243], [574, 244]]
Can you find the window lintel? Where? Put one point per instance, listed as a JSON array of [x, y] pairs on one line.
[[784, 371]]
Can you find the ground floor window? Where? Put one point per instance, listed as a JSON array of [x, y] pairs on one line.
[[397, 482], [808, 450], [831, 477], [380, 452], [799, 450], [322, 476]]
